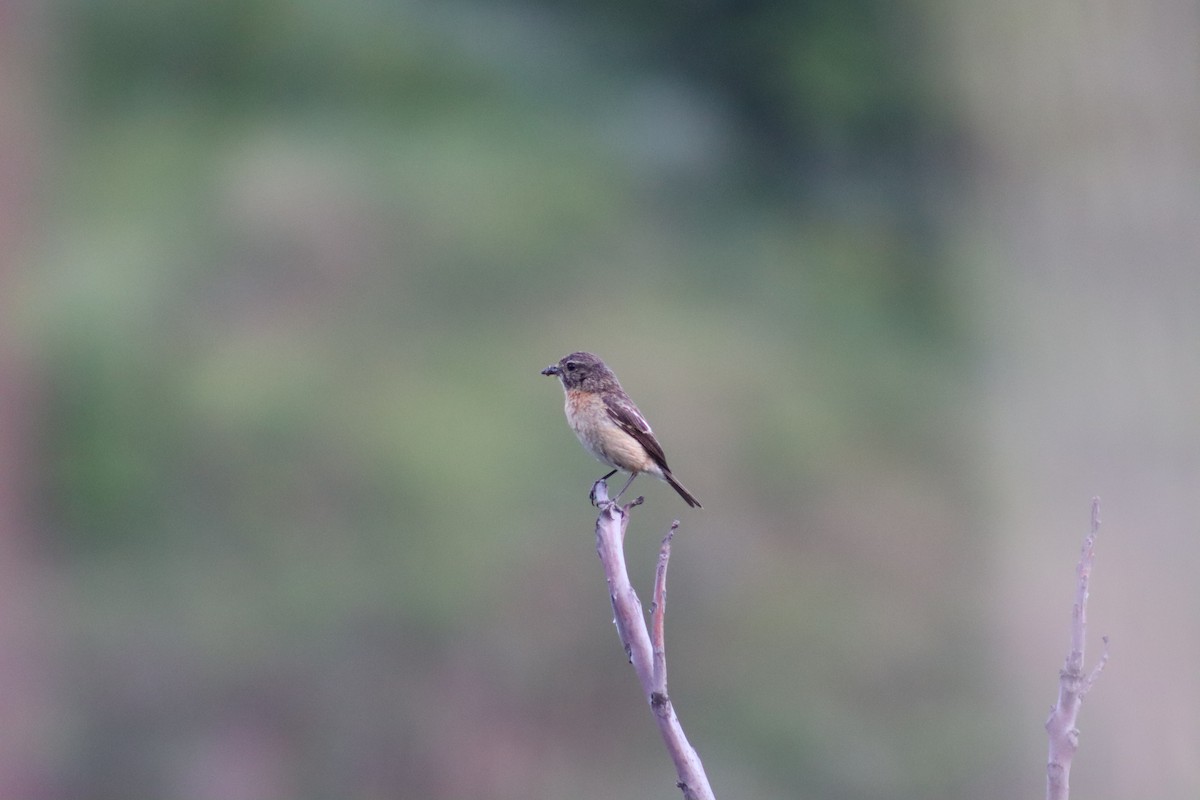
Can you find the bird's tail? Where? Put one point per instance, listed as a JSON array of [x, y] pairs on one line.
[[684, 493]]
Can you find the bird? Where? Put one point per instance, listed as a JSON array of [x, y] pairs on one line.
[[608, 424]]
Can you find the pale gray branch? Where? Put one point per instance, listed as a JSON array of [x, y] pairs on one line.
[[647, 656], [658, 612], [1073, 682]]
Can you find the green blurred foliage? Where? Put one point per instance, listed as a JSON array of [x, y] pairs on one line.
[[321, 513]]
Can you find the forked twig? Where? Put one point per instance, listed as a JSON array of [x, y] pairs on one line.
[[646, 653]]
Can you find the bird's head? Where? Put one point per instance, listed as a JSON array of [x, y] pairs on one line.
[[582, 371]]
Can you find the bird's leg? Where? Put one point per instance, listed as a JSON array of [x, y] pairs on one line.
[[632, 475], [592, 493]]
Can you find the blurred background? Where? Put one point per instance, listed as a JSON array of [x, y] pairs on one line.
[[286, 510]]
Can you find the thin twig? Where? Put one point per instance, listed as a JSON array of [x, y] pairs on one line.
[[635, 637], [658, 612], [1073, 683]]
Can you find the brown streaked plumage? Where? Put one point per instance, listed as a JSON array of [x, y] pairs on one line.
[[608, 423]]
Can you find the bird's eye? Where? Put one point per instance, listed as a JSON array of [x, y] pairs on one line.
[[571, 365]]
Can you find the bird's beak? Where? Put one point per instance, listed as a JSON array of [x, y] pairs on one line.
[[551, 370]]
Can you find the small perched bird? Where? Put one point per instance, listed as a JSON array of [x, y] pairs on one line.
[[608, 424]]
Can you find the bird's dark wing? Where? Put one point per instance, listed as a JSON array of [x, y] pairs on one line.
[[623, 412]]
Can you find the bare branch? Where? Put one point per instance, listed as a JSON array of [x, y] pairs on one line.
[[658, 612], [648, 658], [1073, 683]]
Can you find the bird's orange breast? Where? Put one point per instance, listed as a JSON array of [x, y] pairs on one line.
[[588, 417]]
